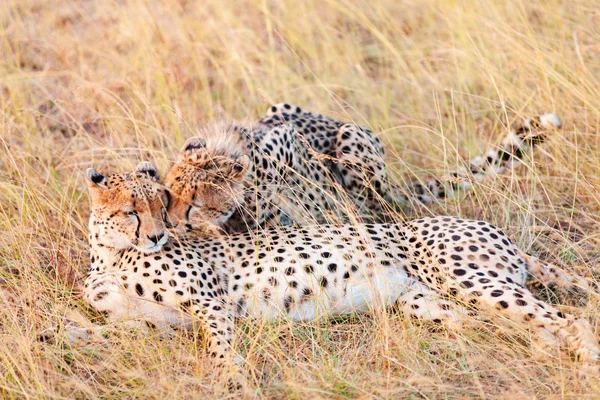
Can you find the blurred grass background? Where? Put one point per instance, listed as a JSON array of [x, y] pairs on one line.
[[110, 83]]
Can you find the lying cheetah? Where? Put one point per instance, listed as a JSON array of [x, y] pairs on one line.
[[356, 156], [314, 169], [431, 268]]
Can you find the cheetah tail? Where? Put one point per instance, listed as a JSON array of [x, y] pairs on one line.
[[514, 147], [511, 152]]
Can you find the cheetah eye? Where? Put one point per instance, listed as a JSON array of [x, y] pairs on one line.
[[132, 212], [165, 218], [168, 195]]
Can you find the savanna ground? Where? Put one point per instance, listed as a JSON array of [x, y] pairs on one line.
[[110, 83]]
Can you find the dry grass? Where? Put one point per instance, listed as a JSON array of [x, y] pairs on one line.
[[109, 83]]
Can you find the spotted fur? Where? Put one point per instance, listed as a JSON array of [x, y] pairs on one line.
[[280, 179], [435, 268], [208, 179], [314, 169], [356, 158]]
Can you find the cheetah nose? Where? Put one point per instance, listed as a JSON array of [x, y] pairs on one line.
[[155, 238]]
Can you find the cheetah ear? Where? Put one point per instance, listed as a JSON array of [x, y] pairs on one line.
[[148, 169], [240, 167], [95, 179], [193, 144]]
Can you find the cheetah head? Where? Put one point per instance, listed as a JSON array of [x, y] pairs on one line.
[[128, 210], [206, 184]]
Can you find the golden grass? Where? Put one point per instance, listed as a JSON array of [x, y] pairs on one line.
[[110, 83]]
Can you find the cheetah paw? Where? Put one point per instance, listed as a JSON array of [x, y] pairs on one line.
[[73, 336], [588, 371]]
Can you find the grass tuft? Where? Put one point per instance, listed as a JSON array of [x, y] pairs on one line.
[[111, 83]]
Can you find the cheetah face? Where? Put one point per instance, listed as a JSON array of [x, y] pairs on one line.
[[206, 186], [129, 210]]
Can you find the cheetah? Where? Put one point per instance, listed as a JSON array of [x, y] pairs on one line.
[[432, 268], [270, 188], [356, 155], [313, 169]]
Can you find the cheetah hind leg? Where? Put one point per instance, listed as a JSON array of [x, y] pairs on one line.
[[549, 324], [550, 275]]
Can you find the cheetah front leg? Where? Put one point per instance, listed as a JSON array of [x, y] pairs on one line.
[[75, 336], [301, 184], [360, 168], [422, 303], [269, 179], [218, 323], [217, 319], [105, 293]]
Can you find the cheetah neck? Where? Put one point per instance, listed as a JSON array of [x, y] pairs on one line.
[[103, 258]]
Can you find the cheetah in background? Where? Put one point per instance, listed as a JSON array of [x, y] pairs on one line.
[[355, 156], [314, 169], [436, 268]]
